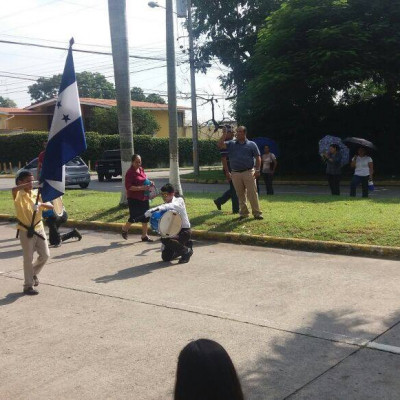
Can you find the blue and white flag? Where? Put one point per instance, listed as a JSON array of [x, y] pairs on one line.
[[67, 135]]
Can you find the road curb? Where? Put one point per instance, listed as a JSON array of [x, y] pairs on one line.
[[289, 183], [320, 246]]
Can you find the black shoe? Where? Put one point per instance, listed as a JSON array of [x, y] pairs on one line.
[[186, 257], [147, 239], [124, 234], [30, 291], [258, 217], [77, 234], [217, 205], [243, 217], [35, 280]]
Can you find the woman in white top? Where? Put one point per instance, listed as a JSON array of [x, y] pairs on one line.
[[364, 169], [269, 164]]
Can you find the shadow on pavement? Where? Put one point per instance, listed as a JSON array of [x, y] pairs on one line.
[[11, 298], [89, 250], [133, 272], [293, 363]]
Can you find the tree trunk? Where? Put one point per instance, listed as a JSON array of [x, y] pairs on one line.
[[119, 43]]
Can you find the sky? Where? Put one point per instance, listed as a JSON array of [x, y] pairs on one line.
[[54, 22]]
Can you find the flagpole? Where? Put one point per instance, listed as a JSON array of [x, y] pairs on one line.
[[31, 229]]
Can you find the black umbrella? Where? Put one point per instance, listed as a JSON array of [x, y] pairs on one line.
[[359, 142]]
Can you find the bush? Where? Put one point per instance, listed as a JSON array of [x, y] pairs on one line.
[[154, 151]]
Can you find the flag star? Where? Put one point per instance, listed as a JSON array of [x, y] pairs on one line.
[[58, 104], [66, 118]]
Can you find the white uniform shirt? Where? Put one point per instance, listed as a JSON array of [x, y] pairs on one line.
[[177, 204], [362, 168]]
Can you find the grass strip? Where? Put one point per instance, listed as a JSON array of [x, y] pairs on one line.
[[362, 221]]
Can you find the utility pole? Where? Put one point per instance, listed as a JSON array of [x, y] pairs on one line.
[[119, 43], [195, 135], [172, 108]]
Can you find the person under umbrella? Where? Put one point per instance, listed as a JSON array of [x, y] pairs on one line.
[[363, 171], [333, 160]]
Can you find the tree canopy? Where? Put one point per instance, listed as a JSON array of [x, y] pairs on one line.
[[138, 94], [6, 102], [105, 121], [90, 84], [227, 30]]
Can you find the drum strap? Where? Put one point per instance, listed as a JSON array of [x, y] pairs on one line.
[[30, 229]]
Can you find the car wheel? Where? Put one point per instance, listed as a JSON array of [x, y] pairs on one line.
[[108, 177], [84, 185], [100, 177]]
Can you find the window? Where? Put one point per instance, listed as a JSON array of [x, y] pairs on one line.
[[181, 118]]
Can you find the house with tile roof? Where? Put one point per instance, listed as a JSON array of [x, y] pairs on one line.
[[38, 117]]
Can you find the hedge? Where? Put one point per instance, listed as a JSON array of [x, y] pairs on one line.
[[154, 151]]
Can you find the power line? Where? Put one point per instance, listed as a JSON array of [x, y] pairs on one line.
[[78, 51]]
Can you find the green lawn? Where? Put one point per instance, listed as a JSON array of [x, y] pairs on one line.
[[369, 221]]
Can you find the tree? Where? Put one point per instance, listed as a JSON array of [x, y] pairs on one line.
[[155, 98], [105, 121], [317, 59], [90, 84], [6, 102], [119, 45], [137, 94], [228, 30]]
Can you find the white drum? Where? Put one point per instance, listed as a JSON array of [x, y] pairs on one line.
[[166, 223]]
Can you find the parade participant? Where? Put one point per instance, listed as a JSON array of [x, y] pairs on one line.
[[243, 157], [138, 202], [230, 193], [30, 229], [180, 245], [54, 219]]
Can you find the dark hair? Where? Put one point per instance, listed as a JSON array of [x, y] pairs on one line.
[[335, 146], [22, 175], [206, 372], [134, 157], [167, 188]]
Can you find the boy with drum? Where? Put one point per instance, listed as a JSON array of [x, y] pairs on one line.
[[179, 245]]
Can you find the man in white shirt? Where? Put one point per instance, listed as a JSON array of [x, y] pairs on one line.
[[181, 245], [364, 169]]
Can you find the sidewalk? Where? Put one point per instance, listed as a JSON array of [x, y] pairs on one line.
[[110, 320]]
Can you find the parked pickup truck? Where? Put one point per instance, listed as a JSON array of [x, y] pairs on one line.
[[109, 165]]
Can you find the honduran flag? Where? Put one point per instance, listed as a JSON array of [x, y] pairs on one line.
[[67, 135]]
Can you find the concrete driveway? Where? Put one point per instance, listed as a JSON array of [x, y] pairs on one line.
[[110, 320]]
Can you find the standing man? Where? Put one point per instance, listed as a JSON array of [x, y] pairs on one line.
[[32, 239], [231, 192], [245, 161]]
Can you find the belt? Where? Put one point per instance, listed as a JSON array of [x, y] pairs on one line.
[[242, 170]]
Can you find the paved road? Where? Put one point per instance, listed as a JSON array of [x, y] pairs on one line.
[[161, 177], [111, 319]]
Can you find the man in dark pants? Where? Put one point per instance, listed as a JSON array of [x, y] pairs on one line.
[[231, 192], [180, 245]]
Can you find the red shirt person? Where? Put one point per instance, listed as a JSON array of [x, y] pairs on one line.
[[138, 203]]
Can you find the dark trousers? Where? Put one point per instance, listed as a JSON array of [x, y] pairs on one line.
[[54, 224], [356, 180], [268, 182], [230, 194], [175, 247], [334, 184]]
